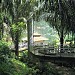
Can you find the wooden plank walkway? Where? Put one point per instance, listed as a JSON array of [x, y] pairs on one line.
[[36, 52], [68, 58]]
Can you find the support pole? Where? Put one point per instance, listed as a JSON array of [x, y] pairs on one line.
[[30, 36]]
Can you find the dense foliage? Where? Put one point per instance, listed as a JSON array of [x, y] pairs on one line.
[[9, 65], [60, 15], [15, 14]]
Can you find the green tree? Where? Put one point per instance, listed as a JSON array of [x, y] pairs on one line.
[[57, 13], [71, 5], [16, 31], [10, 8]]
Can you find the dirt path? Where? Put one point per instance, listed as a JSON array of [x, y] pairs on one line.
[[63, 70]]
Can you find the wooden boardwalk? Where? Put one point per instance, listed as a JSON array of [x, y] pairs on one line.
[[54, 53], [65, 57]]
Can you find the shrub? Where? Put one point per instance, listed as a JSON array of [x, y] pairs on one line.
[[24, 56], [13, 67], [4, 49]]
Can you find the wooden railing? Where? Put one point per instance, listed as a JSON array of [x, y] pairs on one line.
[[53, 50]]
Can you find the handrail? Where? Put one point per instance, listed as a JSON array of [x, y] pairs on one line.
[[51, 50]]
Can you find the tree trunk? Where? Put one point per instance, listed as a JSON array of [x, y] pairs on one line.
[[2, 30], [74, 38], [0, 34], [62, 26], [28, 30], [16, 49], [16, 45], [61, 40]]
